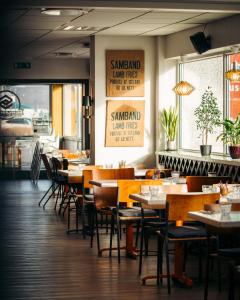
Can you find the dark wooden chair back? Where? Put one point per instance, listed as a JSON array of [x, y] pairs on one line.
[[108, 197], [47, 166], [195, 183]]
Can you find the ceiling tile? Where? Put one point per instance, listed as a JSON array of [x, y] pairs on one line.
[[104, 19], [170, 29]]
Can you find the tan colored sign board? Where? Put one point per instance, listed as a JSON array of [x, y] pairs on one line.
[[125, 123], [125, 73]]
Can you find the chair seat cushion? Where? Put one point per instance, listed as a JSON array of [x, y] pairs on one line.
[[89, 197], [184, 231], [136, 212], [230, 252]]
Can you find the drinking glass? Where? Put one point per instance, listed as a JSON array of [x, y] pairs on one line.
[[225, 208], [154, 189], [207, 188], [175, 174], [108, 166]]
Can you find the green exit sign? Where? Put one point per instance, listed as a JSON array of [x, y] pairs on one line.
[[22, 65]]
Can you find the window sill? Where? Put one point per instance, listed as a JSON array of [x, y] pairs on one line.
[[223, 159]]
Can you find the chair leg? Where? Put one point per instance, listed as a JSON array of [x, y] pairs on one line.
[[141, 250], [91, 219], [219, 275], [207, 269], [231, 289], [111, 235], [118, 239], [137, 233], [168, 267], [58, 195], [39, 203], [200, 263], [159, 258], [97, 231], [50, 196]]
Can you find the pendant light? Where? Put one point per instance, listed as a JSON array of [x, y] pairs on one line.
[[183, 88], [233, 75]]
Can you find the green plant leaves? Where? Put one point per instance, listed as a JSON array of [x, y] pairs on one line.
[[231, 133], [207, 115], [169, 120]]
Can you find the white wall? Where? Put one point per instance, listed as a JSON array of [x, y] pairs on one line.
[[165, 81], [131, 154], [48, 69]]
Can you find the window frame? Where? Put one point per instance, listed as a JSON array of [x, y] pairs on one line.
[[226, 98]]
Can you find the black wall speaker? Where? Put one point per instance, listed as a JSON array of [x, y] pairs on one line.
[[200, 42]]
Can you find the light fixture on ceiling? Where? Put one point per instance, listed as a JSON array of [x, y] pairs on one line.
[[233, 75], [69, 27], [183, 88], [63, 12]]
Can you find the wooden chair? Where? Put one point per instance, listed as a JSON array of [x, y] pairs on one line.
[[149, 227], [181, 229], [106, 198], [195, 183], [84, 202], [49, 175]]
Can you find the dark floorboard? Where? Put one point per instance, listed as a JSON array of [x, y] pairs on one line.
[[40, 261]]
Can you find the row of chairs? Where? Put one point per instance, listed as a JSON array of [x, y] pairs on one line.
[[105, 202]]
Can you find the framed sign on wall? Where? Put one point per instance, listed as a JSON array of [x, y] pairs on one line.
[[125, 73], [125, 123]]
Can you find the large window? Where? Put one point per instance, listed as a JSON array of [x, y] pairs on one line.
[[201, 74]]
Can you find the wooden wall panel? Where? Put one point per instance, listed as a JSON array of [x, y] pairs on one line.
[[57, 108]]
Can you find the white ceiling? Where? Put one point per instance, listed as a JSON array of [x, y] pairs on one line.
[[28, 34]]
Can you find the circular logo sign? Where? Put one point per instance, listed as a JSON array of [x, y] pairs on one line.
[[10, 105]]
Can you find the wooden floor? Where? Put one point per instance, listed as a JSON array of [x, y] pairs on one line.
[[40, 261]]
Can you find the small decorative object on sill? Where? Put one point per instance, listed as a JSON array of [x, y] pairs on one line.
[[231, 136], [207, 118], [169, 121]]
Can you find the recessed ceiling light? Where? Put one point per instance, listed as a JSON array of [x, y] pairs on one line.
[[63, 12], [68, 27]]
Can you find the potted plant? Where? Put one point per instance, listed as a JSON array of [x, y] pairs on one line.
[[207, 118], [231, 136], [169, 120]]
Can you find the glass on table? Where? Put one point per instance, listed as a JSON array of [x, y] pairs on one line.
[[175, 174], [225, 208], [154, 190], [144, 190], [108, 166], [207, 188]]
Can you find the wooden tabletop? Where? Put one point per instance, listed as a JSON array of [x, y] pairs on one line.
[[104, 183], [217, 220]]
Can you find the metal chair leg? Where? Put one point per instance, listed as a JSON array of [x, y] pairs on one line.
[[39, 203]]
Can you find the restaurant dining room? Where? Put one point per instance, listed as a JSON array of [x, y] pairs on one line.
[[120, 150]]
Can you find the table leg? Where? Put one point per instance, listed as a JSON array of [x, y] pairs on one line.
[[179, 276], [130, 249]]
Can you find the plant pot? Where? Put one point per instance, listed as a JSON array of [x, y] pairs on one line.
[[171, 145], [205, 150], [234, 151]]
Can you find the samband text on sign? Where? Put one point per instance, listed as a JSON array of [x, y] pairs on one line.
[[125, 123], [125, 73]]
